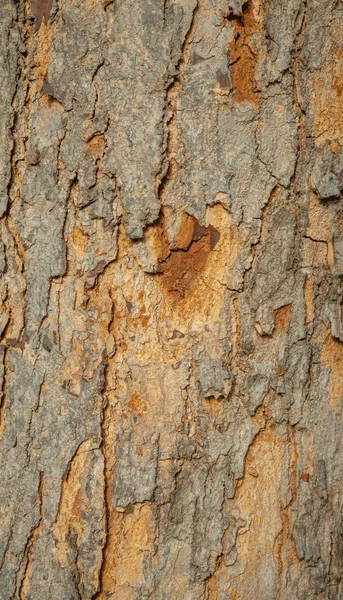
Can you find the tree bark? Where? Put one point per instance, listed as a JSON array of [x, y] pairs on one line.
[[171, 299]]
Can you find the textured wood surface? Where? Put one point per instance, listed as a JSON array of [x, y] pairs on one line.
[[171, 264]]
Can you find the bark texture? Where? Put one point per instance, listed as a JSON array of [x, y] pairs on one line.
[[171, 299]]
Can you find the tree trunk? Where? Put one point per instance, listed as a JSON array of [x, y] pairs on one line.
[[171, 299]]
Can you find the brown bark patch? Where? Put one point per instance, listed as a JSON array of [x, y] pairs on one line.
[[41, 9], [223, 79], [243, 54], [181, 266]]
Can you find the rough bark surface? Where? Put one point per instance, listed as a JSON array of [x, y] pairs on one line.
[[171, 299]]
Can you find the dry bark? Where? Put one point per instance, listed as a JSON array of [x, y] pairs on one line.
[[171, 299]]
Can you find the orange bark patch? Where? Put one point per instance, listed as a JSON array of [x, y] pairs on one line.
[[201, 302], [332, 357], [131, 536], [96, 146], [281, 317], [257, 507], [216, 409], [212, 588], [244, 52], [80, 241], [328, 102], [43, 41], [181, 266], [320, 221], [137, 404]]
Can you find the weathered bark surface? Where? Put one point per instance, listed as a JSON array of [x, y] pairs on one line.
[[171, 299]]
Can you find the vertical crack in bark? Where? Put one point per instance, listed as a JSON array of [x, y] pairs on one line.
[[16, 301], [108, 472], [262, 234], [24, 585], [3, 393], [172, 95], [302, 138], [285, 540]]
